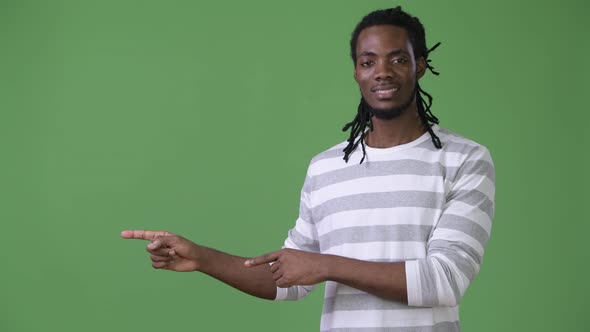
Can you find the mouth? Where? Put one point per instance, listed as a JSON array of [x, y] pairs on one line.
[[385, 92]]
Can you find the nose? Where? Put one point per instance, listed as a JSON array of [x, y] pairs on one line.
[[383, 71]]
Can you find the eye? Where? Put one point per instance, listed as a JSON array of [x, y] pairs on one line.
[[399, 60], [367, 63]]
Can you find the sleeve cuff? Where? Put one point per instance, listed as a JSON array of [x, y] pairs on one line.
[[281, 294], [413, 283]]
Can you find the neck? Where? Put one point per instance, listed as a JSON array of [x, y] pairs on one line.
[[400, 130]]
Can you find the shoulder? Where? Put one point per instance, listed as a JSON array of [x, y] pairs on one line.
[[332, 152], [327, 160], [469, 156], [456, 144]]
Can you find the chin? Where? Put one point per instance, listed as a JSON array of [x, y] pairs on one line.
[[388, 114], [388, 110], [387, 104]]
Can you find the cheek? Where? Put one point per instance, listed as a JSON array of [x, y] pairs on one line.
[[362, 79], [357, 76], [409, 74]]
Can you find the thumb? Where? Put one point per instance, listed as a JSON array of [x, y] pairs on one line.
[[162, 242]]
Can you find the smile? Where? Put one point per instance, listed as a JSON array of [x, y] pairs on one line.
[[385, 93]]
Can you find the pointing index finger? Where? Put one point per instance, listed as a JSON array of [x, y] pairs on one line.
[[264, 259], [143, 234]]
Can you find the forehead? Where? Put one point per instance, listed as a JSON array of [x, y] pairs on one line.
[[383, 38]]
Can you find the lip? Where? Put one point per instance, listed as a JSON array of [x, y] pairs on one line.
[[382, 87], [385, 91]]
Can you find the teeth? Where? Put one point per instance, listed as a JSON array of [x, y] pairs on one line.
[[388, 90]]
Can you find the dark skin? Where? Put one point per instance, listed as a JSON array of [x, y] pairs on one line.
[[386, 72], [385, 60]]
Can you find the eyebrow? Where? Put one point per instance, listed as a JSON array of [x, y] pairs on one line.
[[394, 52]]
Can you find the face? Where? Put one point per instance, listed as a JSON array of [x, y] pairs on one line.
[[386, 70]]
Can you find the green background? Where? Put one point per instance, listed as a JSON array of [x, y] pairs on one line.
[[200, 118]]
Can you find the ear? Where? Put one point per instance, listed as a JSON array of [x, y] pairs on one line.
[[354, 74], [420, 67]]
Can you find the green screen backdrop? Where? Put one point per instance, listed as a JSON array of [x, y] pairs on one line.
[[200, 117]]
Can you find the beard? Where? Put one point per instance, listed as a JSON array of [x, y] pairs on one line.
[[391, 113]]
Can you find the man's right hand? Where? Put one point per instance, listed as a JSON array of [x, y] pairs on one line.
[[168, 251], [175, 253]]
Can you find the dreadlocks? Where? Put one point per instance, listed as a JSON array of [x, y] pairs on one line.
[[397, 17]]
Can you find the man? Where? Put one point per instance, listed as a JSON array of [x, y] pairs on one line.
[[397, 228]]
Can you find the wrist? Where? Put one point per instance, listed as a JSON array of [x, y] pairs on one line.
[[327, 266], [198, 258]]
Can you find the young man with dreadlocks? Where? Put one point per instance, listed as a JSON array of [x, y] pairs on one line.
[[397, 228]]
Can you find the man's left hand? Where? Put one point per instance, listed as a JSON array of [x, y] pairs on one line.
[[292, 267]]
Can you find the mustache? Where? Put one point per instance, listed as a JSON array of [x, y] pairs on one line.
[[390, 113]]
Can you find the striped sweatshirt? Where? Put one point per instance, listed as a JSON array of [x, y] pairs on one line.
[[430, 208]]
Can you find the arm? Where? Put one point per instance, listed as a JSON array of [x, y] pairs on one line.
[[456, 247], [295, 267], [175, 253], [454, 251]]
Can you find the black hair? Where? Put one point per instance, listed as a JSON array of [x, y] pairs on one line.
[[397, 17]]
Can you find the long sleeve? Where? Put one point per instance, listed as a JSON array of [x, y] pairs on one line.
[[456, 246], [302, 237]]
